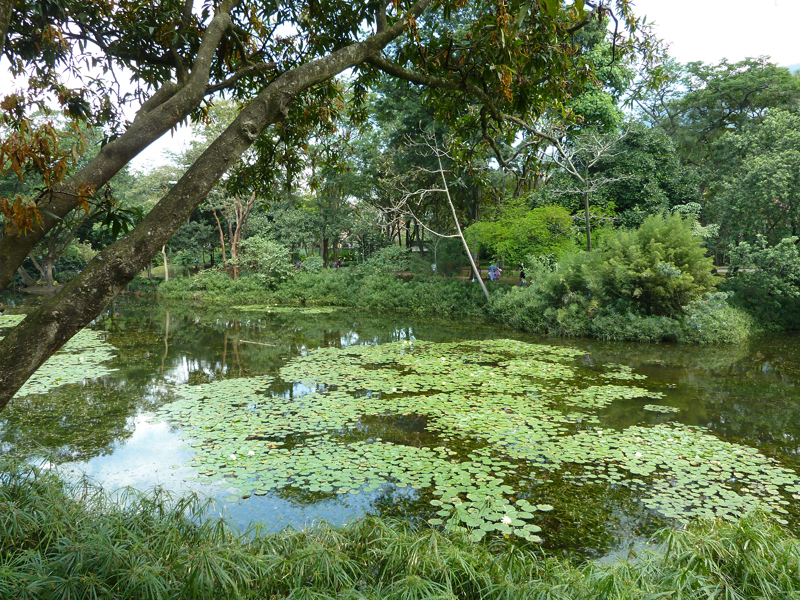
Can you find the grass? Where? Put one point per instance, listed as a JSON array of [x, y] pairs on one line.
[[72, 541]]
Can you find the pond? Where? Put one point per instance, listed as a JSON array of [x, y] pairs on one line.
[[288, 416]]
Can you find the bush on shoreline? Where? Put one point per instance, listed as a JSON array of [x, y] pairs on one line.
[[357, 288], [63, 540]]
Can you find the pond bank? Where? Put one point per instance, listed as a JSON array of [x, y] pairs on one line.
[[532, 309]]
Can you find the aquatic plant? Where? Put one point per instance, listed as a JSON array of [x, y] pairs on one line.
[[497, 415]]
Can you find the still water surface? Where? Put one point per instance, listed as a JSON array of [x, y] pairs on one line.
[[747, 394]]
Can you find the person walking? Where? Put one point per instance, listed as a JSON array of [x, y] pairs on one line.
[[521, 275]]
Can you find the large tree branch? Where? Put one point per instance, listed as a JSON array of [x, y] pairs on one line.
[[395, 70], [6, 7], [168, 106], [44, 331]]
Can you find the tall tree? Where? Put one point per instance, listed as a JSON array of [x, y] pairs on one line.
[[578, 158], [760, 190], [507, 56], [649, 176], [706, 101]]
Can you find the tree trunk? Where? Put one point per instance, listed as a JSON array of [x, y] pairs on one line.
[[5, 18], [26, 279], [221, 238], [166, 266], [28, 345], [586, 206], [49, 267], [458, 229], [39, 267]]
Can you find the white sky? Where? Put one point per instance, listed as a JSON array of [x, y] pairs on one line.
[[710, 30]]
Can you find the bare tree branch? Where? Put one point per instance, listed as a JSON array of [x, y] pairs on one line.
[[249, 70]]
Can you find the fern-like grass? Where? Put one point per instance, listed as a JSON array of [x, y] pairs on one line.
[[74, 541]]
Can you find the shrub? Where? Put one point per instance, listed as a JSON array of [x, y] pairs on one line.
[[659, 267], [313, 263], [212, 280], [631, 327], [266, 260], [646, 285], [521, 308], [388, 259], [713, 320], [521, 231]]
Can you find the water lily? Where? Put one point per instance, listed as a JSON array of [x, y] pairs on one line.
[[506, 519], [233, 457], [250, 453]]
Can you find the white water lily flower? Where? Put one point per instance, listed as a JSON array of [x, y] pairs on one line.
[[394, 389], [250, 453], [506, 519], [233, 456], [638, 455]]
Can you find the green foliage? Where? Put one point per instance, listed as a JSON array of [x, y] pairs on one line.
[[760, 189], [365, 288], [646, 285], [629, 326], [266, 260], [60, 540], [215, 286], [388, 259], [707, 101], [713, 320], [520, 231], [313, 263], [426, 295], [658, 268], [635, 286], [650, 178], [766, 280], [450, 256]]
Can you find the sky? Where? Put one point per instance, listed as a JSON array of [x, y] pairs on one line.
[[704, 30], [710, 30]]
